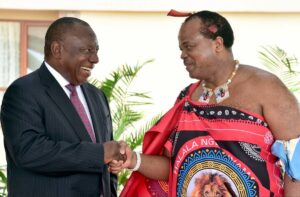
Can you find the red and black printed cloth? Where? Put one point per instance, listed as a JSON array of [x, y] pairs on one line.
[[215, 150]]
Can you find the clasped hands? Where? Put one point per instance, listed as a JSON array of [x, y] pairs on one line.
[[118, 155]]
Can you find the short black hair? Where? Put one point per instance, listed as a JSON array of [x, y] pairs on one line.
[[58, 29], [214, 25]]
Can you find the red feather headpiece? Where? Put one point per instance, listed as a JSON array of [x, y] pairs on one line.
[[179, 14]]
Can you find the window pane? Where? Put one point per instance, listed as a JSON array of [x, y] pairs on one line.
[[35, 50], [9, 52]]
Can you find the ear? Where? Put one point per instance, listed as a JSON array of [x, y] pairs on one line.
[[219, 44], [56, 49]]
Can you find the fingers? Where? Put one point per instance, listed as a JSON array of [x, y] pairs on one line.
[[119, 151], [123, 158], [131, 158], [123, 147], [112, 151], [115, 166]]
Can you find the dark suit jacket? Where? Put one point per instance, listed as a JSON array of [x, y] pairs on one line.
[[49, 152]]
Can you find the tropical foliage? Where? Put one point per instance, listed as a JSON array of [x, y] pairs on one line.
[[283, 65], [124, 104], [3, 181]]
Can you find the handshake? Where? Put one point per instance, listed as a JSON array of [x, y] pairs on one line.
[[118, 156]]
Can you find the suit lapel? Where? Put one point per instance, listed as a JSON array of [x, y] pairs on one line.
[[102, 126], [95, 112], [59, 97]]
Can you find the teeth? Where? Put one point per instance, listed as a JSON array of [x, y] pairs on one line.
[[86, 68]]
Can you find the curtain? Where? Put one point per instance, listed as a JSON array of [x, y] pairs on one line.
[[9, 52]]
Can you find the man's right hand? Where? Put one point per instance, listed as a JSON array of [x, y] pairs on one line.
[[127, 160], [114, 151]]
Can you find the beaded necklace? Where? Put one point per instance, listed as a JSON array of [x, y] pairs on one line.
[[221, 92]]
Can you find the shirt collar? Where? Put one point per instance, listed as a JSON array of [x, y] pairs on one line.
[[59, 78]]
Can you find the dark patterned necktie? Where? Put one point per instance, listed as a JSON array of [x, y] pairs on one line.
[[81, 111]]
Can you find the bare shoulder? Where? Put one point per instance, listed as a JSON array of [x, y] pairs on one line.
[[258, 76], [264, 83], [249, 88], [279, 106]]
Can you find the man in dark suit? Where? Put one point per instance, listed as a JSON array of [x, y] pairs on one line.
[[51, 149]]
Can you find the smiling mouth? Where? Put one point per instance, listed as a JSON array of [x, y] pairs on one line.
[[86, 68], [188, 65]]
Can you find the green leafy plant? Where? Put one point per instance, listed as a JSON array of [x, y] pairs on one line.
[[3, 182], [124, 104], [283, 65]]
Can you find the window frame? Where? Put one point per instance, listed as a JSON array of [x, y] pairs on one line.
[[24, 26]]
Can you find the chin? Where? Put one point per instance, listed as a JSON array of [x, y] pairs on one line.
[[82, 80], [192, 76]]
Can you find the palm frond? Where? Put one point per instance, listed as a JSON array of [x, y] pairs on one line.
[[3, 182], [282, 65], [124, 119], [122, 177], [136, 138], [276, 59]]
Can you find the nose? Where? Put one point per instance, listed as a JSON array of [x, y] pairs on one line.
[[183, 54], [94, 58]]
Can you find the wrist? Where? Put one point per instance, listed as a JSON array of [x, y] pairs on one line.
[[138, 162]]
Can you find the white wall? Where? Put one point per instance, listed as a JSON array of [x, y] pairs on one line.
[[155, 5]]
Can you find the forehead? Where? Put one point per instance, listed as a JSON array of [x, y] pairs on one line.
[[190, 29], [81, 33]]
